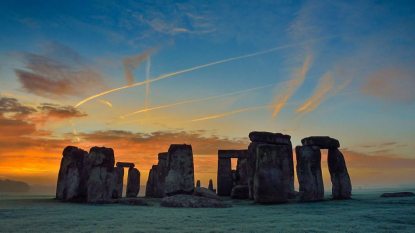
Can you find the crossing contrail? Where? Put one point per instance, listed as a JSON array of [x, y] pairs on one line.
[[225, 114], [164, 76], [195, 100]]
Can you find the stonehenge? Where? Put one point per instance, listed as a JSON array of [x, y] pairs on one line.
[[264, 173], [227, 178], [91, 177]]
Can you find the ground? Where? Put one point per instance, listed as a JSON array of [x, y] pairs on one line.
[[367, 212]]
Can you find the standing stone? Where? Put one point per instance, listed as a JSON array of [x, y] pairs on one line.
[[69, 186], [157, 177], [270, 184], [251, 165], [133, 182], [224, 186], [340, 179], [198, 183], [309, 173], [241, 170], [151, 182], [210, 187], [119, 182], [101, 176], [180, 176]]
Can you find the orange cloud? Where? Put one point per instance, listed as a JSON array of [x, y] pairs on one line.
[[394, 84], [293, 84], [324, 87]]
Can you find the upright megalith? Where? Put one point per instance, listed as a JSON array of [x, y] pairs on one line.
[[70, 183], [99, 165], [270, 180], [210, 187], [198, 184], [157, 176], [180, 170], [309, 173], [133, 182], [224, 176], [340, 179], [119, 182], [283, 154]]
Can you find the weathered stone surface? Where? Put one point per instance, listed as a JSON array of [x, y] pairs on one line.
[[198, 183], [125, 164], [204, 192], [271, 179], [119, 182], [224, 186], [309, 173], [242, 171], [191, 201], [340, 179], [180, 175], [210, 187], [133, 182], [69, 186], [270, 138], [101, 176], [228, 154], [251, 165], [151, 182], [324, 142], [398, 194], [240, 192]]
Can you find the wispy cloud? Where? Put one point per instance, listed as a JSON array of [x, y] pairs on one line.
[[293, 84], [391, 84], [57, 74], [324, 87], [230, 113], [133, 62]]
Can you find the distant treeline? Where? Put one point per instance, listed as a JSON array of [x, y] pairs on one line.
[[13, 186]]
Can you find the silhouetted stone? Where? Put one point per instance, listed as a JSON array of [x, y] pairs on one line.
[[251, 166], [191, 201], [157, 177], [70, 185], [101, 176], [152, 182], [241, 170], [270, 138], [240, 192], [398, 194], [204, 192], [125, 164], [210, 187], [324, 142], [180, 175], [271, 179], [224, 187], [309, 173], [133, 182], [119, 180], [340, 179], [198, 183]]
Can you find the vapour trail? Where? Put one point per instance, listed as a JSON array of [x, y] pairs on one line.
[[131, 63], [164, 76], [148, 68], [196, 100], [106, 102], [293, 84], [324, 87], [225, 114]]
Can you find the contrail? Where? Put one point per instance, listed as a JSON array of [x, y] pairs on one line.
[[196, 100], [131, 63], [106, 102], [164, 76], [293, 84], [225, 114], [324, 87], [148, 69]]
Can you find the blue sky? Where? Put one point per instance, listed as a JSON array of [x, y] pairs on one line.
[[357, 58]]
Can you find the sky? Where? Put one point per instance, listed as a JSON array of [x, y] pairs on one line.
[[138, 76]]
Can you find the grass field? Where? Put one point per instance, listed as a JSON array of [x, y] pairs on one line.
[[365, 213]]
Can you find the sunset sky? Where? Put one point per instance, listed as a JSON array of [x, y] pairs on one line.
[[138, 76]]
